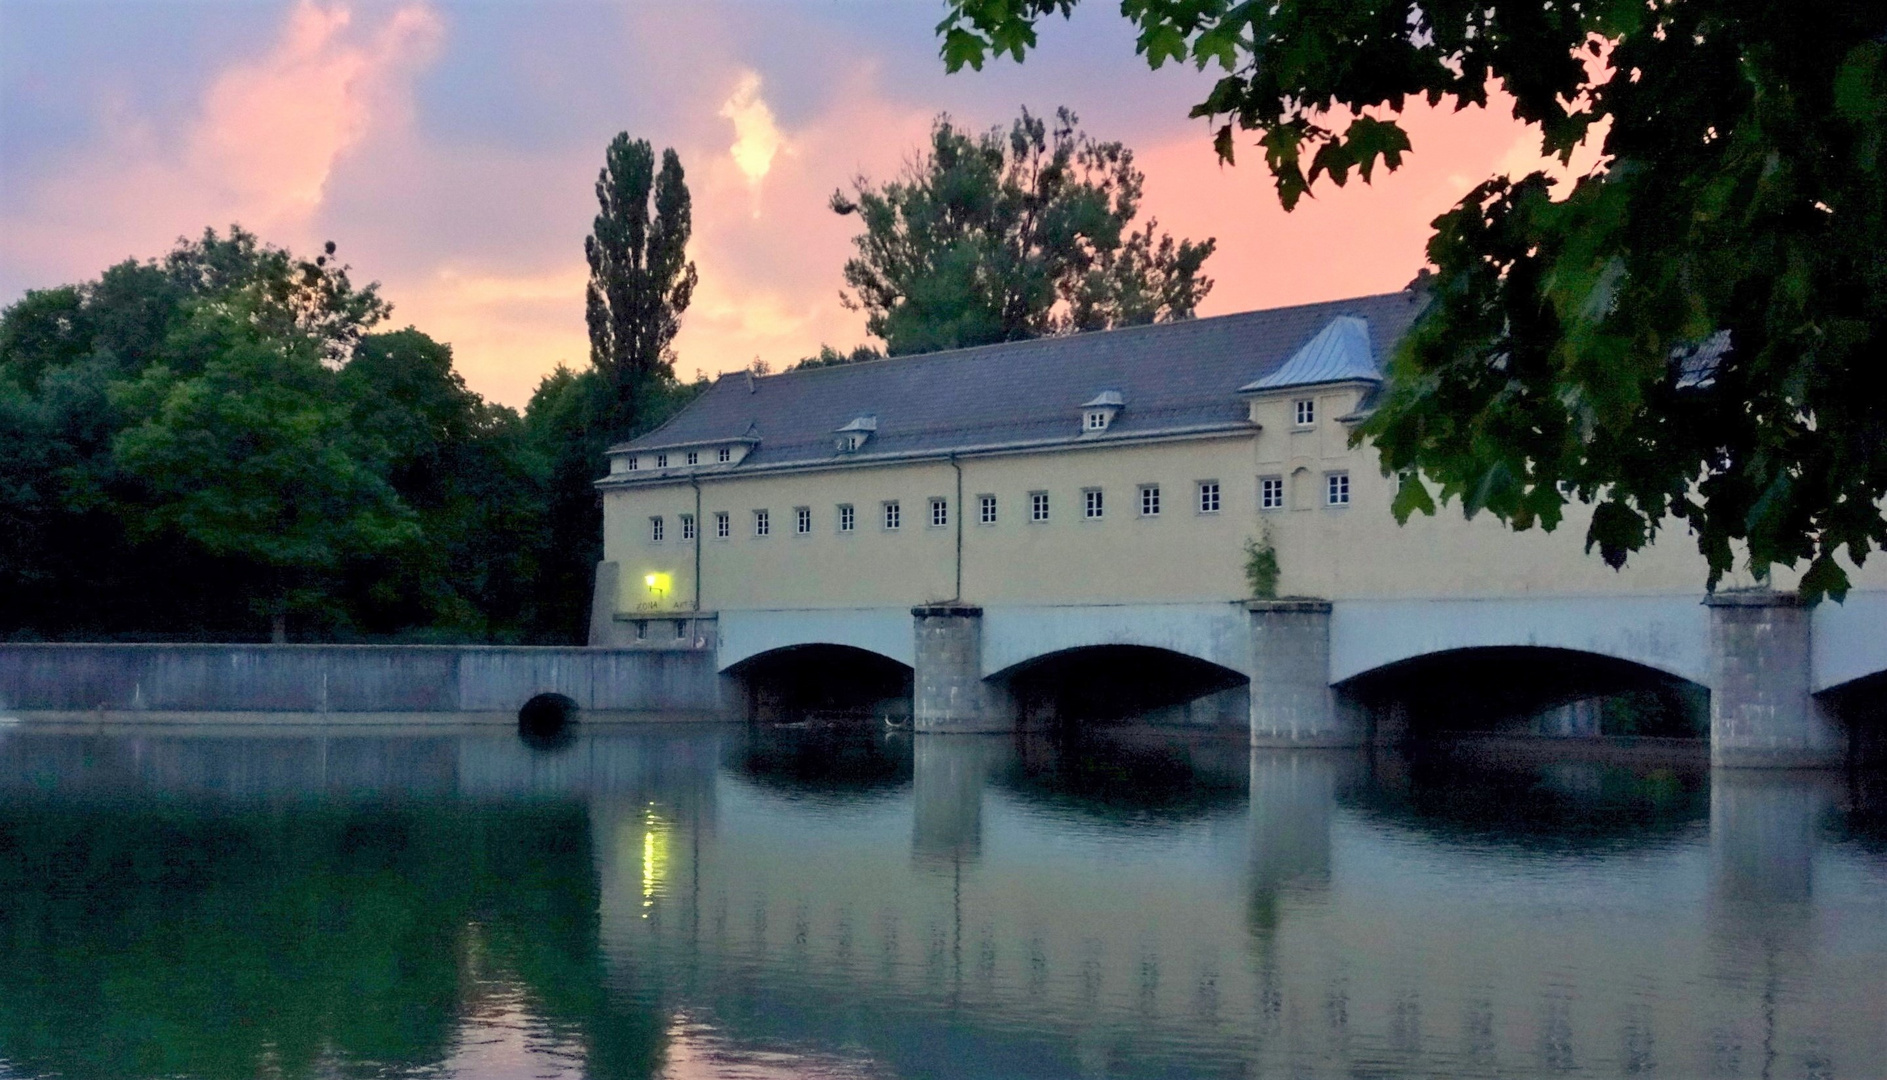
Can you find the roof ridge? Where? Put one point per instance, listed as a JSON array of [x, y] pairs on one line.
[[1052, 339]]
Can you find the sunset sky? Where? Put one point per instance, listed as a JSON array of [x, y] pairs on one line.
[[450, 150]]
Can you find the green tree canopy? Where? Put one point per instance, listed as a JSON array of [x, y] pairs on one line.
[[254, 458], [640, 277], [190, 441], [1693, 332], [1004, 236]]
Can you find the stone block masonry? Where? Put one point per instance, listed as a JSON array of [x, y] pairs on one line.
[[949, 691], [338, 682], [1762, 713], [1292, 701]]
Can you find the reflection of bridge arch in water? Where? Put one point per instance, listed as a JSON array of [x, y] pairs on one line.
[[989, 929]]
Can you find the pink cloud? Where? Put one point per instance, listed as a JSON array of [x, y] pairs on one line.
[[260, 150]]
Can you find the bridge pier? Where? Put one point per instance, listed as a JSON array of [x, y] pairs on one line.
[[949, 693], [1762, 713], [1292, 701]]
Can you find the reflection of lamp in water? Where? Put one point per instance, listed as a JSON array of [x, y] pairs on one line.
[[658, 584], [654, 859]]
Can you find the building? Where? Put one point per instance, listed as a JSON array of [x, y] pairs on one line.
[[1101, 487]]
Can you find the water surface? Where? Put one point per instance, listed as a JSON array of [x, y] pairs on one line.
[[724, 902]]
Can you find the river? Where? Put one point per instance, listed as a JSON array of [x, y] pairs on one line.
[[718, 901]]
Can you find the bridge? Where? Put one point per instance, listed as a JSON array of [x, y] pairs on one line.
[[1772, 666]]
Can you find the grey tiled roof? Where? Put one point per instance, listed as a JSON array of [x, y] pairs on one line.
[[1173, 378]]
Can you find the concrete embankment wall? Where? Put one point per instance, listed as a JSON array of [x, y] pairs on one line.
[[129, 681]]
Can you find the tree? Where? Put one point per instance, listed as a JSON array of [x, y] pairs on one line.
[[827, 356], [998, 237], [1692, 334], [255, 459], [640, 277]]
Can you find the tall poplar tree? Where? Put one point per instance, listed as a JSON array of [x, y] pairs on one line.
[[640, 277]]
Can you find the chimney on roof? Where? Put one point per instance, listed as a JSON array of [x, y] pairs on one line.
[[750, 382]]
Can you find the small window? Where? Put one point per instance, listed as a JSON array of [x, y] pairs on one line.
[[986, 509], [1306, 412], [661, 461], [1038, 506], [724, 455], [687, 526], [1149, 500], [681, 628], [642, 629], [762, 524], [1337, 489], [1091, 505], [694, 457], [633, 463], [1271, 493], [723, 527], [1208, 496], [1097, 420], [939, 512], [848, 520], [802, 520], [655, 529], [894, 515]]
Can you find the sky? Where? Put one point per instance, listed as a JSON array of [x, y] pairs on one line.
[[450, 150]]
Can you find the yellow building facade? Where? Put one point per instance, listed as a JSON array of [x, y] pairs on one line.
[[1154, 513]]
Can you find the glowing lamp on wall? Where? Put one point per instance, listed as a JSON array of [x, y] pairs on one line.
[[658, 584]]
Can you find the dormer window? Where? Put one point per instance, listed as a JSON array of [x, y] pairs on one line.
[[694, 458], [634, 463], [661, 461], [724, 455], [1097, 414], [856, 434]]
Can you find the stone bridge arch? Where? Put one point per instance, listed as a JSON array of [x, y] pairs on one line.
[[745, 635], [1666, 634], [1217, 634]]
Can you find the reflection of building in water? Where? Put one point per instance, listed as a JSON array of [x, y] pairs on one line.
[[965, 926]]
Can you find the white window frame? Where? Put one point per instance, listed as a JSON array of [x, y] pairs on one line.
[[939, 512], [1149, 500], [634, 463], [723, 525], [1304, 412], [687, 527], [986, 509], [762, 523], [1210, 498], [656, 529], [694, 457], [802, 521], [1271, 493], [893, 515], [661, 461], [1038, 507], [1337, 488], [848, 518], [1093, 504], [724, 454], [1096, 420]]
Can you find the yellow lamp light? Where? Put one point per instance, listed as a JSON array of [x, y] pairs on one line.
[[658, 583]]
